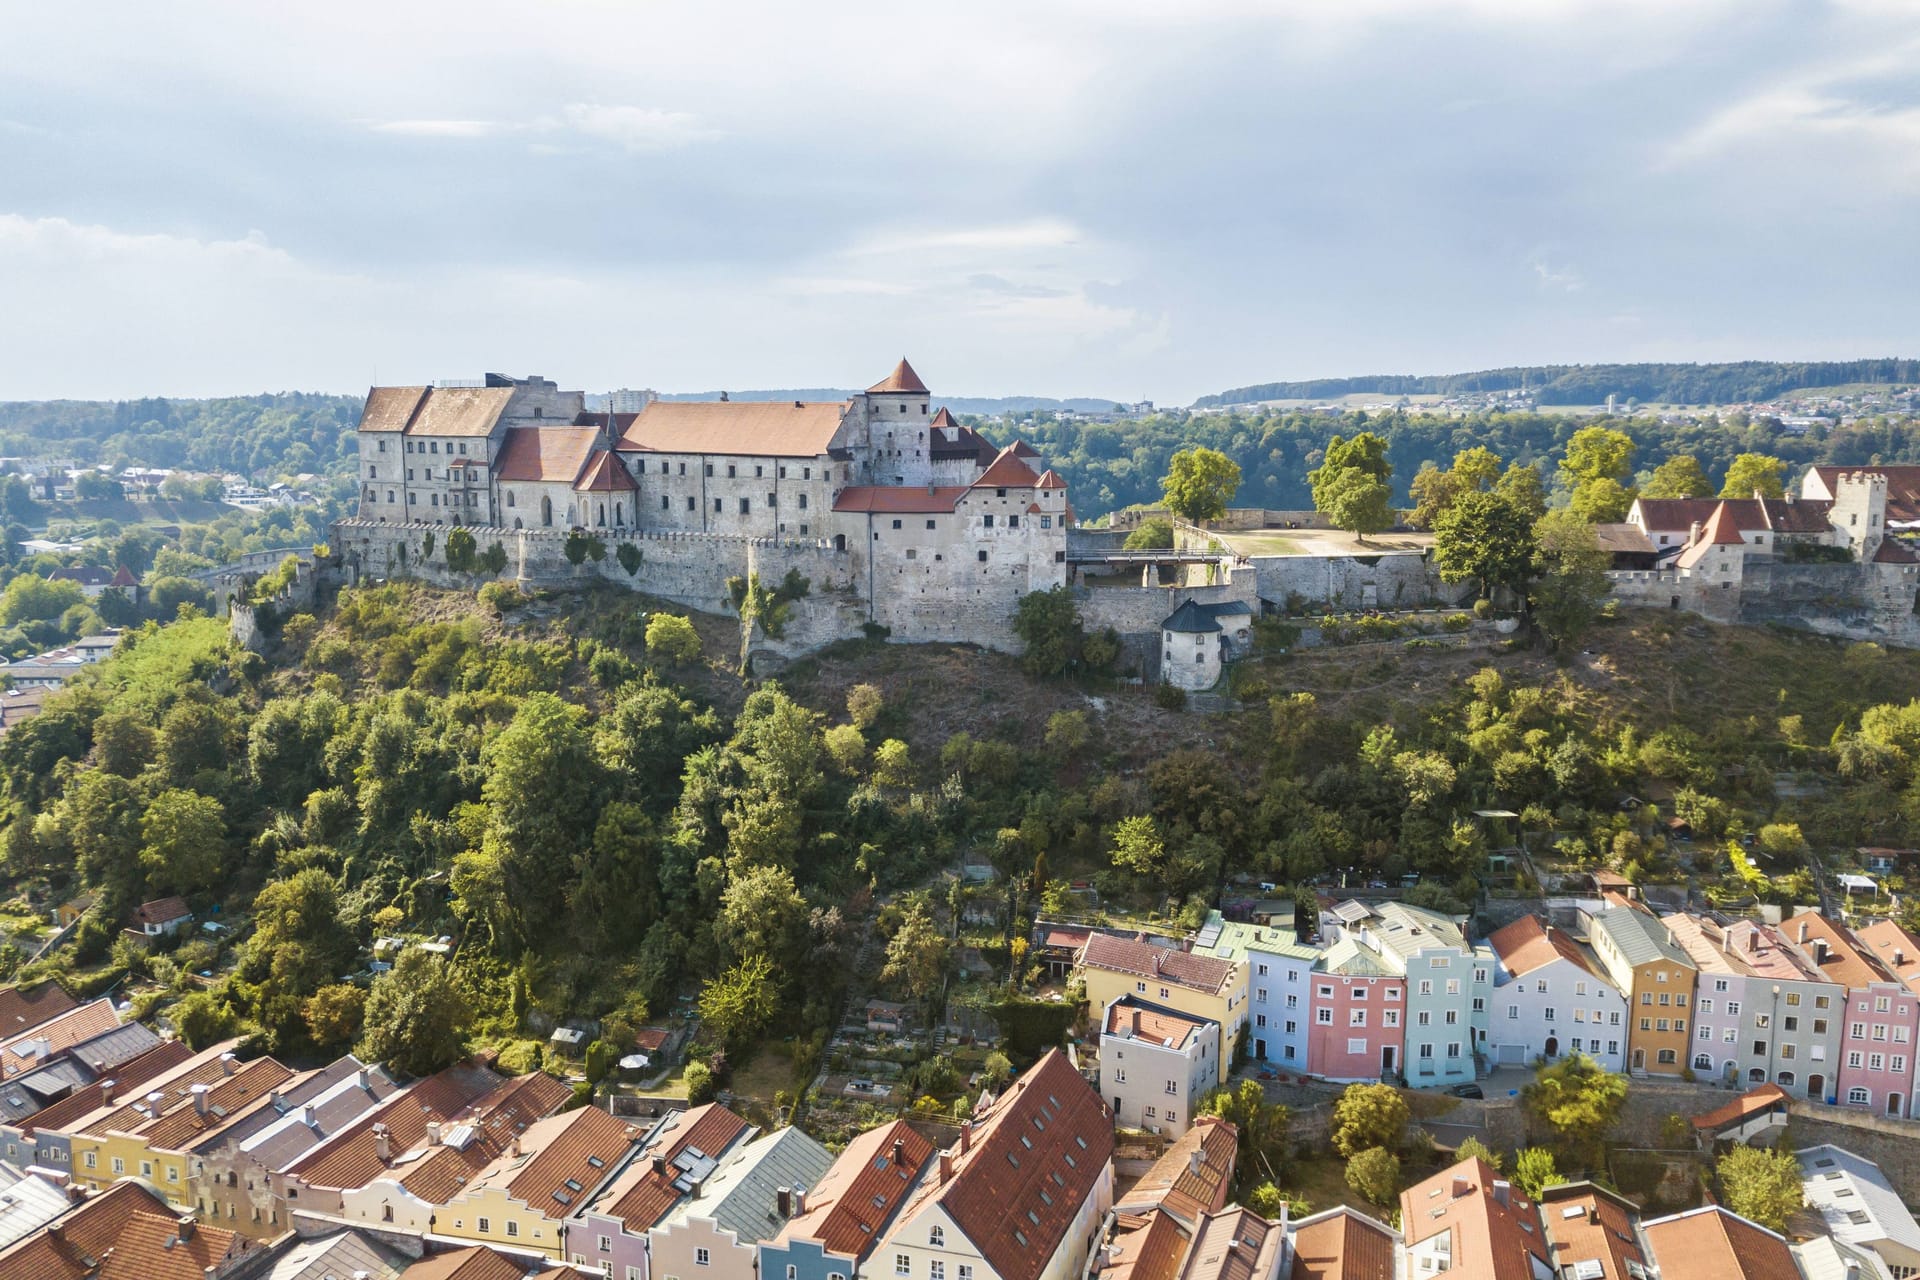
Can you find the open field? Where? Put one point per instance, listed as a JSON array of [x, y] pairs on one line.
[[1321, 542]]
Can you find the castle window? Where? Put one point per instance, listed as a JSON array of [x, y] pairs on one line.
[[803, 502], [803, 531], [709, 468], [929, 524], [986, 522], [689, 502], [383, 445], [539, 413], [663, 502], [389, 495], [806, 473], [744, 506], [433, 446], [758, 471], [783, 473], [923, 410], [683, 468], [509, 497], [1059, 557], [1013, 522], [463, 451], [409, 446], [983, 557], [772, 500], [373, 473], [912, 554], [732, 471], [1046, 522], [717, 506], [663, 467], [1001, 493], [896, 524]]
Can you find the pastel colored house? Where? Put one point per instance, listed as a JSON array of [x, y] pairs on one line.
[[612, 1230], [1357, 1008], [1642, 960], [1878, 1023], [522, 1200], [1279, 968], [1190, 982], [1763, 1012], [745, 1200], [1551, 997], [1156, 1064], [838, 1224], [1447, 982]]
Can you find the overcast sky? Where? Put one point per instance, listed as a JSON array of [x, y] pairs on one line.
[[1129, 198]]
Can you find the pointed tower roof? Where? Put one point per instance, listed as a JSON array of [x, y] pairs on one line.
[[1051, 479], [902, 379], [124, 578], [604, 474], [1007, 471], [942, 418]]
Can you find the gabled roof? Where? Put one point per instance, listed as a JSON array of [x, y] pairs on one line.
[[1530, 942], [123, 578], [1721, 530], [1903, 486], [850, 1208], [605, 474], [1234, 1244], [743, 428], [1847, 962], [24, 1008], [70, 1114], [743, 1195], [1051, 479], [1751, 1103], [899, 499], [1165, 964], [1008, 471], [162, 911], [482, 1263], [311, 1115], [127, 1232], [644, 1194], [27, 1203], [1590, 1231], [1354, 958], [1897, 949], [25, 1051], [337, 1257], [1019, 1187], [557, 1162], [351, 1159], [1852, 1195], [1128, 1018], [228, 1090], [1748, 948], [460, 411], [1714, 1243], [1495, 1229], [440, 1172], [903, 379], [1192, 1177], [1639, 935], [1891, 552], [1145, 1248], [390, 409], [1342, 1243], [555, 455]]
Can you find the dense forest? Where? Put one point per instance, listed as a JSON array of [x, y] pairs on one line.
[[263, 437], [1739, 382]]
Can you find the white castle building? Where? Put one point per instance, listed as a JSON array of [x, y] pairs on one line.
[[931, 529]]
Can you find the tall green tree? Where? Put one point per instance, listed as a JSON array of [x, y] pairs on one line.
[[1264, 1143], [1761, 1183], [1369, 1115], [1521, 485], [1570, 577], [1752, 473], [184, 837], [1575, 1100], [1355, 501], [740, 1003], [1534, 1170], [1048, 624], [1680, 476], [1484, 539], [540, 790], [1200, 483], [415, 1016]]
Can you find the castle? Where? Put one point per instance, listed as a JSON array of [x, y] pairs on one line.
[[897, 514]]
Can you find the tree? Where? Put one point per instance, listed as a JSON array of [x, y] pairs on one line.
[[1264, 1200], [1433, 492], [1369, 1115], [1364, 451], [1601, 501], [1761, 1183], [997, 1070], [701, 1085], [184, 837], [1521, 485], [1137, 846], [1484, 538], [865, 702], [334, 1015], [739, 1003], [1354, 501], [1534, 1171], [32, 598], [1597, 453], [1570, 577], [1261, 1129], [1151, 535], [763, 914], [1476, 470], [847, 748], [540, 793], [1375, 1174], [1678, 477], [416, 1016], [299, 941], [672, 639], [1474, 1149], [1200, 483], [1048, 624], [1575, 1099], [1752, 473], [917, 958]]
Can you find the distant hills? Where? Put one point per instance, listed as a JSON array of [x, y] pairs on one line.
[[958, 404], [1583, 384]]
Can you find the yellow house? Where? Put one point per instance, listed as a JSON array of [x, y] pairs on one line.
[[149, 1136], [1204, 986], [1643, 960], [524, 1197]]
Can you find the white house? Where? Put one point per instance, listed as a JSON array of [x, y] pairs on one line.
[[1860, 1207], [1551, 997], [1156, 1064]]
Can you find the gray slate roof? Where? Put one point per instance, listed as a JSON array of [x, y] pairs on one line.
[[25, 1096], [1198, 618], [335, 1257], [1640, 937], [1829, 1173], [742, 1194]]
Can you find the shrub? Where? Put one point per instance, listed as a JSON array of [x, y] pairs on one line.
[[672, 639], [1375, 1174], [700, 1083], [1170, 697], [864, 705], [520, 1057], [502, 597], [1455, 622], [629, 557], [1483, 608]]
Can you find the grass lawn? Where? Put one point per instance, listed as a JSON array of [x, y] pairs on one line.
[[1264, 544], [770, 1072]]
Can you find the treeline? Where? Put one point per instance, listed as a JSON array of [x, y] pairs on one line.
[[1116, 464], [1559, 384], [264, 436]]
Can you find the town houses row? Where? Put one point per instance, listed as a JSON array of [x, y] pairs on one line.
[[1399, 992]]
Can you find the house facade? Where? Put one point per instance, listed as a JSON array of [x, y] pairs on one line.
[[1763, 1013], [1156, 1064], [613, 1230], [1552, 997], [1358, 1013], [1878, 1022], [1279, 967], [1642, 960], [1193, 983]]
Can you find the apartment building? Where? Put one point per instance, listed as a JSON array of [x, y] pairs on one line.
[[1643, 961], [1762, 1011]]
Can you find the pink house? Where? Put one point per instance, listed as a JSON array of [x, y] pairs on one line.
[[1357, 1013], [1879, 1026]]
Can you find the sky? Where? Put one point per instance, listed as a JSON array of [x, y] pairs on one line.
[[1123, 198]]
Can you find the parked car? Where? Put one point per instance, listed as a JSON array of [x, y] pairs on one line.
[[1467, 1091]]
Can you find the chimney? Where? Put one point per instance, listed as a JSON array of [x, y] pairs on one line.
[[199, 1092], [309, 1116], [513, 1145], [946, 1167], [382, 1142], [966, 1136], [1500, 1192], [106, 1090], [1803, 931], [723, 397], [433, 1133], [1195, 1159], [798, 404], [799, 1201], [154, 1100], [184, 1225], [365, 1078], [783, 1199], [899, 1151], [660, 1165], [228, 1063]]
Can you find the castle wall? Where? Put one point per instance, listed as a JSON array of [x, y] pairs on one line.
[[1333, 584]]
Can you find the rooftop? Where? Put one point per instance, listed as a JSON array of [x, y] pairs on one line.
[[1530, 942], [746, 428], [1846, 962], [1590, 1232], [1132, 1019], [1711, 1242], [1853, 1197], [1164, 964], [743, 1194], [1342, 1243], [1494, 1231], [678, 1156], [1194, 1176], [1746, 948], [1639, 936]]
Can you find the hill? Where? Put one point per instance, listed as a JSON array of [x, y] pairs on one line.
[[262, 436], [1584, 384], [988, 405]]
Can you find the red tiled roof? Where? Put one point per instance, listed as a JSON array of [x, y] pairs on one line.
[[481, 1263], [1148, 1248], [124, 578], [1234, 1244], [606, 474], [642, 1196], [1847, 963], [551, 454], [1051, 479], [228, 1099], [1585, 1223], [161, 911], [899, 499], [1529, 942], [742, 428], [124, 1233], [127, 1079], [649, 1039], [1717, 1245], [60, 1033], [1903, 486], [850, 1207], [1180, 1185], [902, 379], [1721, 531], [576, 1148], [1147, 1022], [351, 1159], [1891, 552], [1897, 949], [23, 1008], [1491, 1240], [496, 1120], [1342, 1244], [1007, 471], [1168, 964], [1752, 1102], [1035, 1158], [460, 411]]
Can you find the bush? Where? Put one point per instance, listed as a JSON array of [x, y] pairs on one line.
[[864, 705], [672, 639], [1455, 622], [502, 597], [1169, 697], [1375, 1174], [700, 1083], [1151, 535], [1483, 608], [520, 1057]]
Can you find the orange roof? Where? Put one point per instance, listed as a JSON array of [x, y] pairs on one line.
[[1898, 950], [1007, 472], [899, 499], [1530, 942], [127, 1078], [552, 454], [391, 408], [1150, 1022], [1722, 530], [481, 1263], [351, 1158], [1342, 1244], [642, 1195], [1185, 1186], [23, 1009], [1018, 1188], [1495, 1229], [902, 379], [227, 1101], [1148, 1248], [748, 428], [556, 1155], [606, 474], [1051, 479], [1847, 963], [58, 1034], [496, 1120], [1711, 1242], [1141, 959], [1234, 1244], [161, 911], [1588, 1224], [1752, 1102], [125, 1233]]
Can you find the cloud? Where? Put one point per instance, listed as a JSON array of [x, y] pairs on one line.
[[1561, 278], [634, 128], [441, 128]]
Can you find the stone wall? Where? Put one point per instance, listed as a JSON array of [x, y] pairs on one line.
[[1345, 583], [1894, 1145], [1849, 601]]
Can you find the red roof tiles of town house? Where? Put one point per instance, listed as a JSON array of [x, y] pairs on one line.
[[351, 1159], [1495, 1230], [1586, 1223], [1148, 1248], [849, 1208], [24, 1008], [57, 1034], [1234, 1244], [1342, 1244], [1144, 960], [1717, 1245], [1042, 1148], [740, 428], [133, 1113], [555, 455], [1897, 949], [606, 474], [1007, 472], [1679, 515], [642, 1195], [899, 499], [1193, 1176], [493, 1123], [163, 1246], [556, 1155], [1752, 1102], [227, 1100], [391, 408], [71, 1112], [161, 911], [1161, 1026], [902, 379], [1847, 962], [1530, 942], [480, 1263], [460, 411], [71, 1247]]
